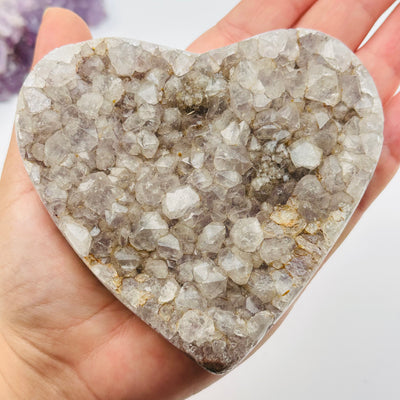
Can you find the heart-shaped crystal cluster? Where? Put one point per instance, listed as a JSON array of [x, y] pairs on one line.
[[204, 191]]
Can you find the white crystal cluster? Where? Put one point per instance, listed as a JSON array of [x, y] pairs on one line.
[[203, 190]]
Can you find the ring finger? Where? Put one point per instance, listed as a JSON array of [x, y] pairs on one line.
[[349, 21]]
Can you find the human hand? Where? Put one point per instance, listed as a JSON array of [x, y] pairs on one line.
[[62, 334]]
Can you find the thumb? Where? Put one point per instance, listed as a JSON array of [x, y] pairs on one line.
[[59, 27]]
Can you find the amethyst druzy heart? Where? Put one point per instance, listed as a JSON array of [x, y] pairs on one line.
[[204, 191]]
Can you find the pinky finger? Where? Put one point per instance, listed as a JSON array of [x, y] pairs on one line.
[[381, 56]]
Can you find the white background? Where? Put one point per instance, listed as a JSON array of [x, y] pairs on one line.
[[342, 339]]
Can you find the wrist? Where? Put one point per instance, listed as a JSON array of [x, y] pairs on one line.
[[27, 373], [7, 390]]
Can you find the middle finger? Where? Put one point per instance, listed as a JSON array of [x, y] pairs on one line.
[[249, 18]]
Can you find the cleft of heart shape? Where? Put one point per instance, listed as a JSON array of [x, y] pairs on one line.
[[204, 191]]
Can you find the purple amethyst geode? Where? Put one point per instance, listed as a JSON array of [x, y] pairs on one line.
[[19, 24]]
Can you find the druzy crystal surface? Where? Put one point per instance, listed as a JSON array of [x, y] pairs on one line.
[[19, 24], [204, 191]]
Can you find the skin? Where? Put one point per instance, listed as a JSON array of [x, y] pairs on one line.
[[63, 335]]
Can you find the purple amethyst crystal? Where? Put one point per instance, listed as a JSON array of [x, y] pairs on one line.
[[19, 24]]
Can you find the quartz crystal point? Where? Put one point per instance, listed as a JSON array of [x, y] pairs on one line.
[[204, 191], [19, 24]]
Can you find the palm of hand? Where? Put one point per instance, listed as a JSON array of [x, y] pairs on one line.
[[67, 320], [57, 320]]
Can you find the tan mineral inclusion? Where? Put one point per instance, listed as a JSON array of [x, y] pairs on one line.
[[204, 191]]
